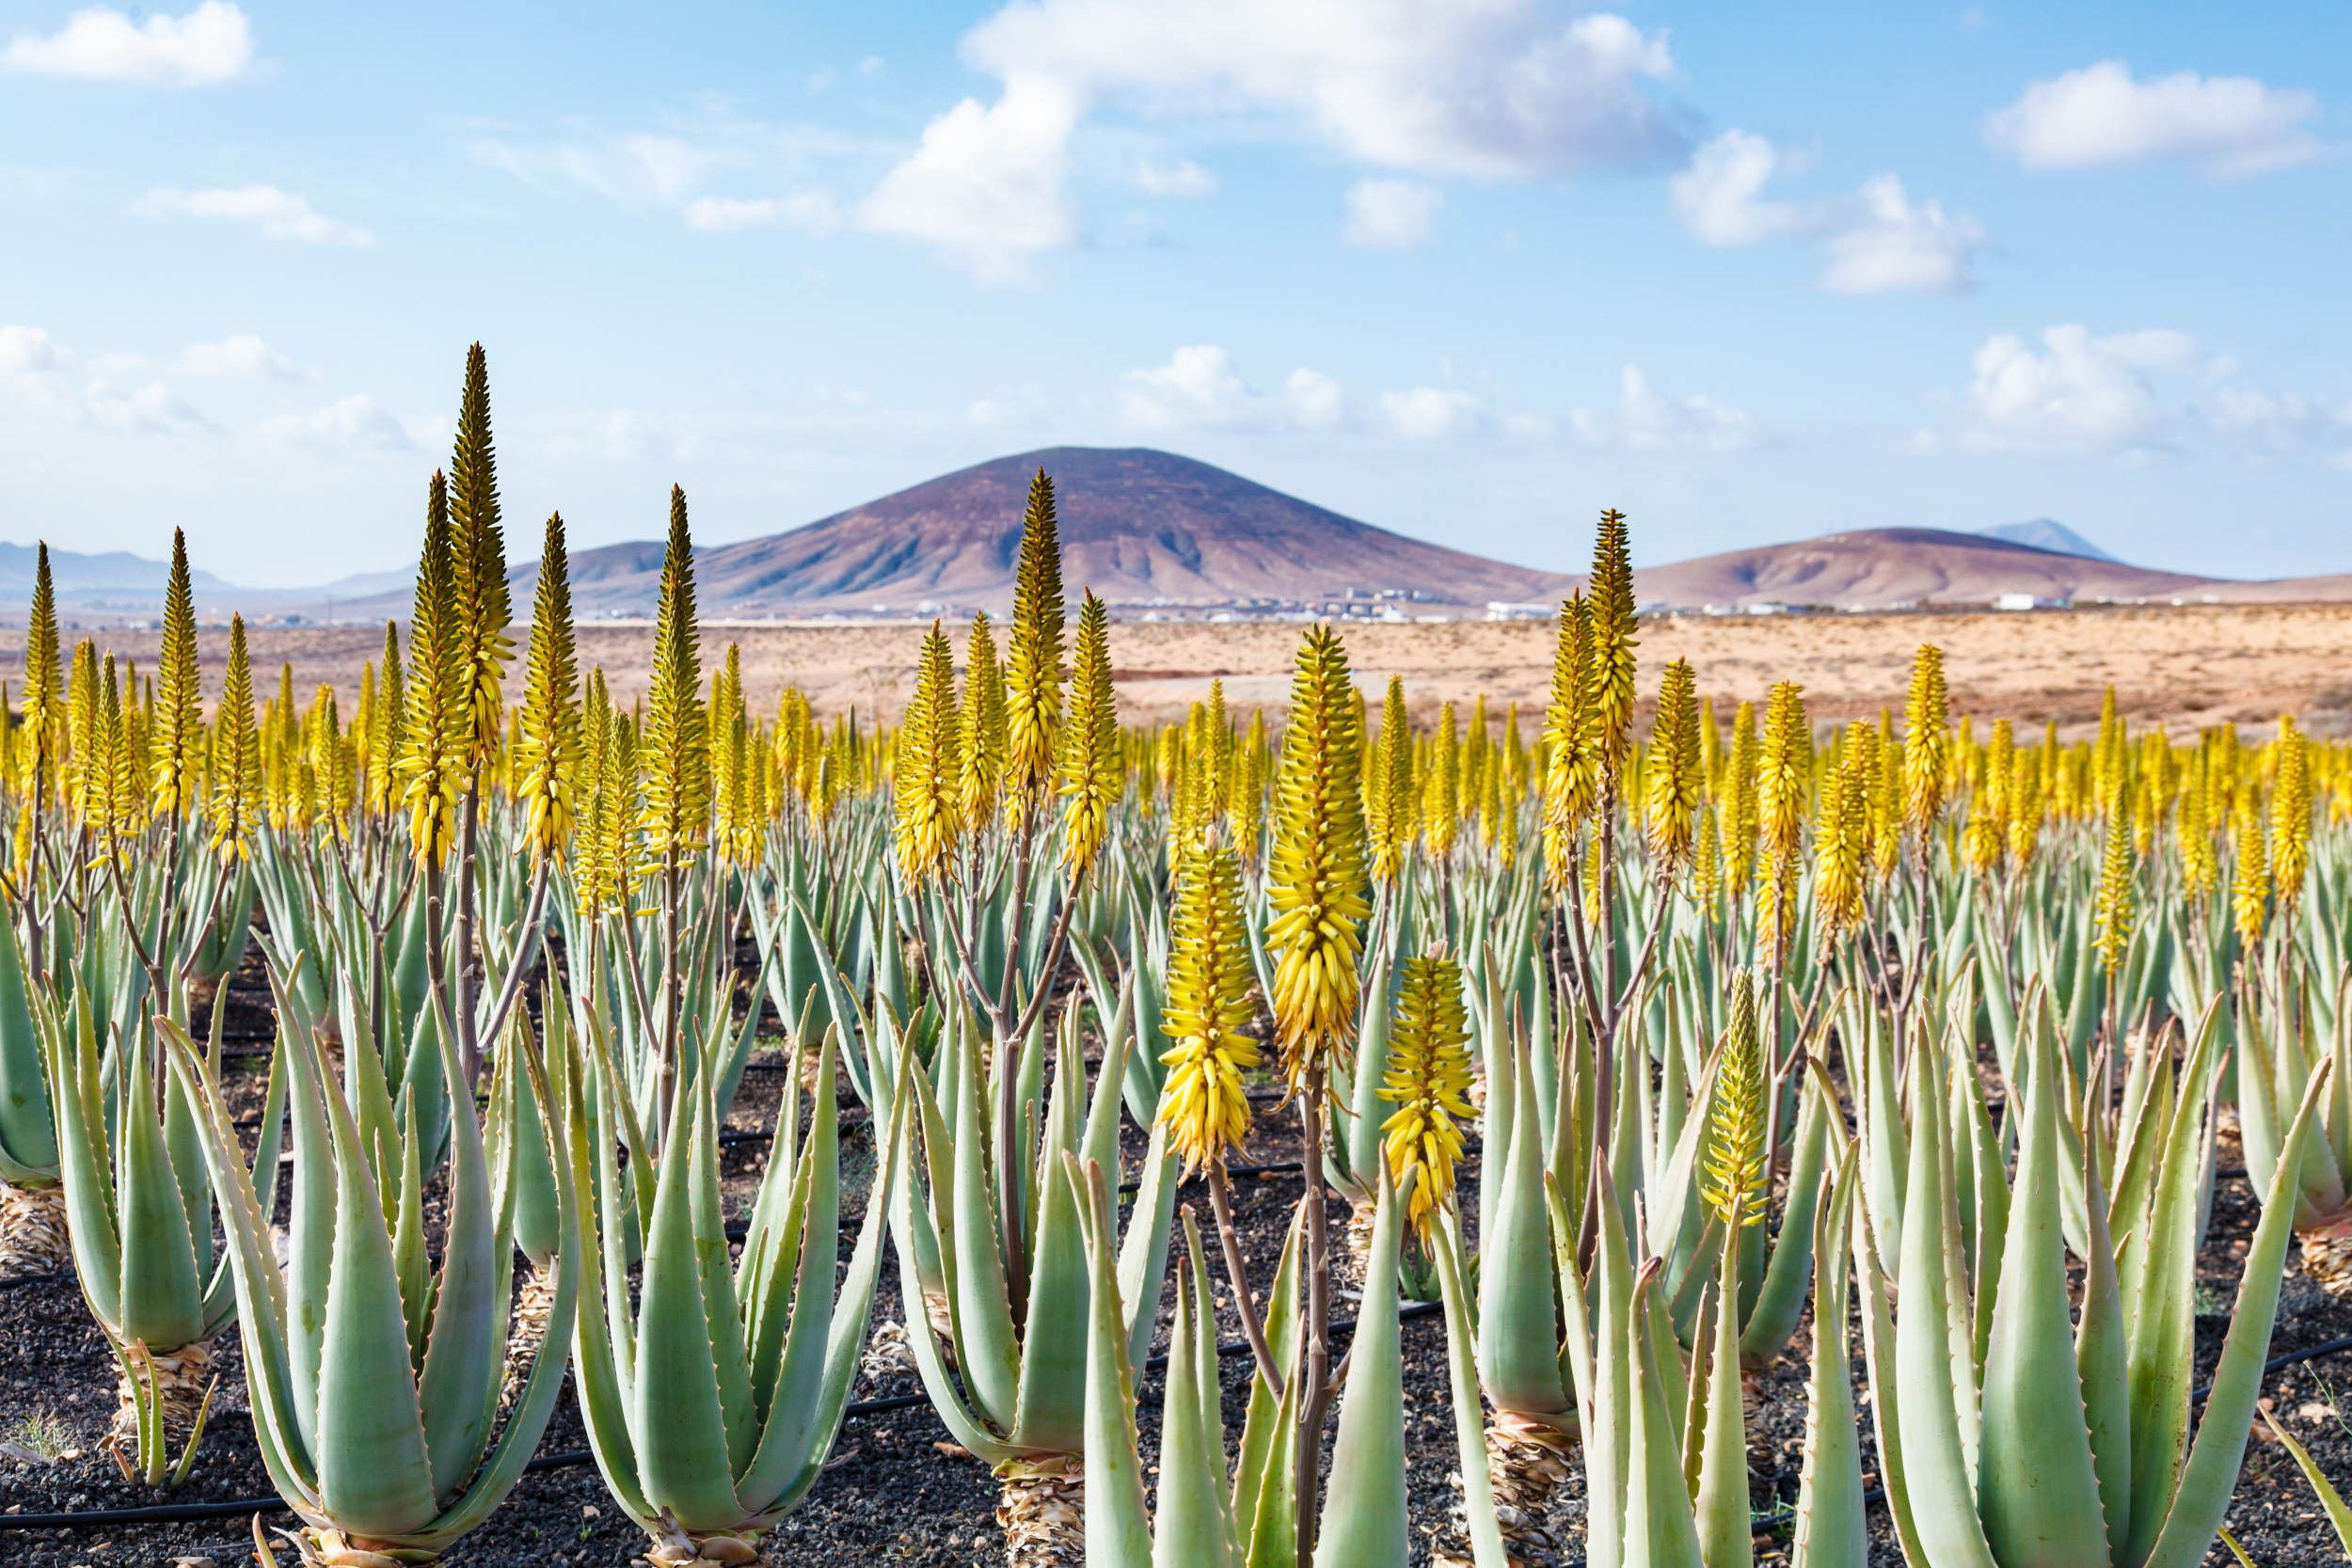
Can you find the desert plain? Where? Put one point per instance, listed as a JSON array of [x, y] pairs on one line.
[[2184, 667]]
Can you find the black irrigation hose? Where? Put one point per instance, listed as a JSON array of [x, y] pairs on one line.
[[14, 1280], [239, 1506]]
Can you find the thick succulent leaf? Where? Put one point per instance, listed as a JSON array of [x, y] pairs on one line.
[[28, 1133], [1518, 1326], [1117, 1531], [1721, 1497], [1478, 1500], [2102, 1368], [1942, 1492], [1660, 1530], [162, 1308], [1833, 1529], [985, 1346], [1363, 1510], [1258, 1469], [2038, 1490], [83, 1162], [375, 1478], [466, 1347], [676, 1420], [2203, 1495], [1052, 1413], [1781, 1301]]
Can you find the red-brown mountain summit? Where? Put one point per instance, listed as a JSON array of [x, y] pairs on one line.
[[1137, 526]]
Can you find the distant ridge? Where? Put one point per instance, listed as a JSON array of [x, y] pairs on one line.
[[1884, 568], [2047, 534]]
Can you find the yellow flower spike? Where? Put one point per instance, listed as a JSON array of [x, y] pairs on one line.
[[1033, 665], [1733, 1167], [1842, 852], [1783, 772], [548, 760], [1440, 797], [1572, 779], [1886, 801], [2291, 816], [927, 810], [2249, 883], [1926, 740], [1676, 769], [1428, 1076], [180, 702], [1212, 992], [1609, 673], [438, 712], [1249, 790], [675, 747], [1093, 771], [983, 755], [478, 566], [80, 729], [1737, 819], [235, 803], [388, 734], [1317, 877], [44, 714], [2114, 912], [1388, 801]]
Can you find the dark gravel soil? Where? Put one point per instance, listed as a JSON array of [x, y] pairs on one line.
[[898, 1491]]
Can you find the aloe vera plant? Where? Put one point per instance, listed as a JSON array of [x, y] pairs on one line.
[[712, 1402], [374, 1377], [134, 1176], [2046, 1446]]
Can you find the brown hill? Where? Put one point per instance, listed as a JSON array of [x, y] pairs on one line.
[[1137, 526], [1886, 567]]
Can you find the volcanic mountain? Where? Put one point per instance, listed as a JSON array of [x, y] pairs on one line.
[[1138, 527], [1885, 567]]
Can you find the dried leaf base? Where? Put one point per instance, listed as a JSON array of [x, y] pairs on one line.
[[534, 1305], [1527, 1463], [33, 1234], [1041, 1509], [182, 1377], [2327, 1255]]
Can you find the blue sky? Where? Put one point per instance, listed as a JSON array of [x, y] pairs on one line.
[[1469, 269]]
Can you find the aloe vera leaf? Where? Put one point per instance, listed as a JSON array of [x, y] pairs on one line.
[[1518, 1331], [2203, 1495], [1832, 1525], [1943, 1496], [375, 1474], [1478, 1502], [2038, 1491], [1660, 1530], [1363, 1510], [1118, 1530], [678, 1421], [2103, 1366], [986, 1348], [2163, 1331]]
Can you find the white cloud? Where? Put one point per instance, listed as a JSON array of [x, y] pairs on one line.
[[2278, 428], [30, 351], [1719, 197], [1428, 413], [241, 357], [356, 425], [1182, 178], [1390, 214], [210, 44], [1882, 244], [1873, 241], [1492, 89], [2226, 125], [278, 215], [985, 187], [154, 409], [806, 211], [1646, 420], [2082, 393]]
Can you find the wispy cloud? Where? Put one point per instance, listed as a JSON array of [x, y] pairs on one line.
[[1876, 241], [349, 427], [212, 44], [1390, 214], [240, 357], [277, 214]]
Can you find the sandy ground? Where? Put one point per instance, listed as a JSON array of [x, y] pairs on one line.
[[2184, 667]]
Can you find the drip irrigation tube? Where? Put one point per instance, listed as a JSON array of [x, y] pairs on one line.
[[172, 1514]]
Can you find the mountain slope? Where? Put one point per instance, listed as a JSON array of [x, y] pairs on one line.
[[1137, 526], [2047, 533], [1882, 567]]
